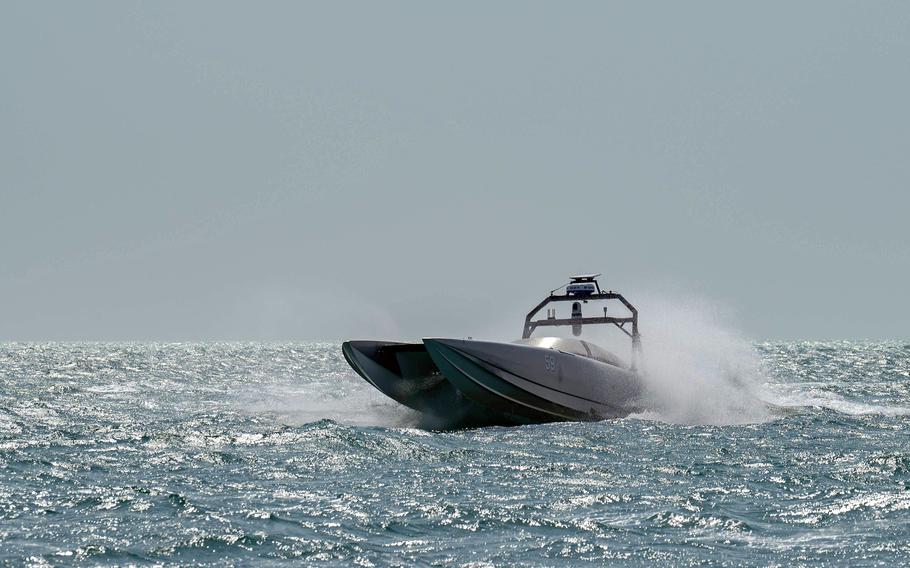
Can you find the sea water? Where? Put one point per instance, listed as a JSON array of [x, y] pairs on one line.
[[258, 454]]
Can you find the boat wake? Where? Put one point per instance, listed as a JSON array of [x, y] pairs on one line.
[[815, 398], [700, 370]]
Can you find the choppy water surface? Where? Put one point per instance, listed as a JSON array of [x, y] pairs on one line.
[[244, 453]]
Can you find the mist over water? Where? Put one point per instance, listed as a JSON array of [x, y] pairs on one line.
[[357, 405]]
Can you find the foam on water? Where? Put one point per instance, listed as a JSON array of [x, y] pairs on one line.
[[810, 396]]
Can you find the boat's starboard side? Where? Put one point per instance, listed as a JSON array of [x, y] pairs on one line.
[[538, 383]]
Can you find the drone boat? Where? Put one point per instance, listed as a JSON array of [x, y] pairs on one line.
[[465, 382]]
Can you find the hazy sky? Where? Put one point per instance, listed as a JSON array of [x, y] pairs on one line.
[[290, 170]]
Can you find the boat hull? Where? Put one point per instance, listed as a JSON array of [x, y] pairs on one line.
[[406, 373], [457, 383], [538, 384]]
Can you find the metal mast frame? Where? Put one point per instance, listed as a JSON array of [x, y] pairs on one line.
[[619, 322]]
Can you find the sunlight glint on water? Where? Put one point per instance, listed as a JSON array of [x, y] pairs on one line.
[[207, 453]]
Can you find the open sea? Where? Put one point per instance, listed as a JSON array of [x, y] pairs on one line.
[[258, 454]]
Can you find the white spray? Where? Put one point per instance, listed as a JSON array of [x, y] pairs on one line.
[[696, 368]]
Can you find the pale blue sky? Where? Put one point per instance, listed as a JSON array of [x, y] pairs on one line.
[[291, 170]]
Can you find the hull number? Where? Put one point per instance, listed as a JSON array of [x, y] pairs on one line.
[[549, 362]]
